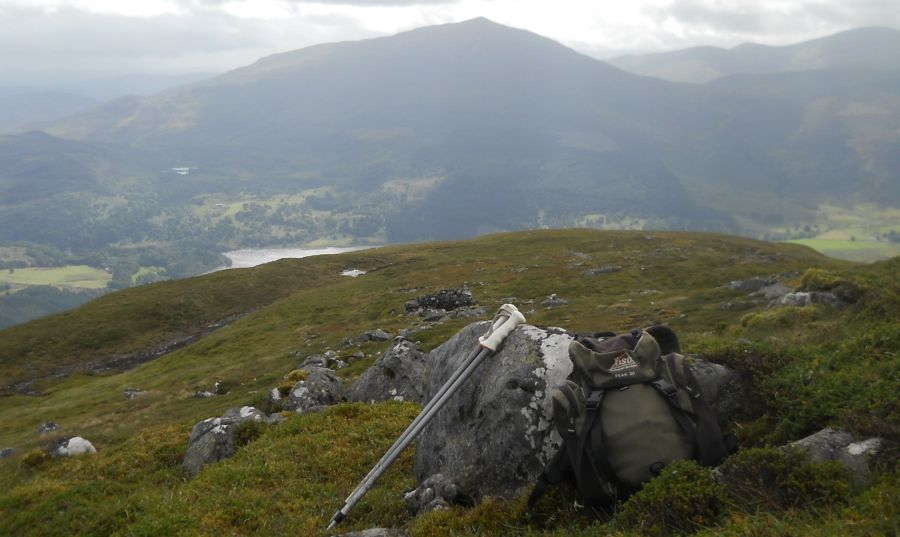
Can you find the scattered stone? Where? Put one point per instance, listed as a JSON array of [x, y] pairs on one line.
[[806, 298], [553, 301], [835, 445], [468, 312], [212, 439], [6, 452], [434, 493], [752, 285], [432, 316], [376, 532], [321, 388], [203, 394], [131, 393], [374, 335], [75, 445], [445, 299], [605, 269], [774, 291], [397, 374], [48, 427], [353, 273]]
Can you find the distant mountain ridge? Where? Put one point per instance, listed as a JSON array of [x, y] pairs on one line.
[[873, 48], [461, 129]]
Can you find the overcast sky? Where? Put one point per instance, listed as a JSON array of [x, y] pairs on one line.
[[109, 37]]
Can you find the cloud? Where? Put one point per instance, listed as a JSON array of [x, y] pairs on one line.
[[766, 21], [207, 41]]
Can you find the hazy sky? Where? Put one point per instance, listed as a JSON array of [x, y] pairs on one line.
[[180, 36]]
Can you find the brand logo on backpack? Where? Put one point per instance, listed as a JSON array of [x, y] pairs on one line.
[[621, 363]]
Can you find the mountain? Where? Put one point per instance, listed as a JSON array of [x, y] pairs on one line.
[[247, 330], [859, 49], [453, 131], [512, 123]]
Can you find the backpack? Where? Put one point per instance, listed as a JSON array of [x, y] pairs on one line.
[[630, 406]]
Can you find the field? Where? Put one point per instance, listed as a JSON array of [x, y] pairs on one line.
[[71, 276], [857, 250]]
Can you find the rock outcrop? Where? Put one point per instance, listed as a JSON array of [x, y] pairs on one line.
[[212, 439], [494, 435], [320, 388], [397, 374]]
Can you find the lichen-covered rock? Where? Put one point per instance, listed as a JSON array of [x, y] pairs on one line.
[[494, 435], [212, 439], [751, 285], [374, 335], [835, 445], [131, 393], [75, 445], [320, 388], [397, 374], [6, 452], [806, 298], [554, 301], [48, 427]]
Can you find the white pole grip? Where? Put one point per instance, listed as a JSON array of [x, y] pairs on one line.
[[494, 338]]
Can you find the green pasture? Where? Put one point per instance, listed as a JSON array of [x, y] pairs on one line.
[[858, 250], [77, 276]]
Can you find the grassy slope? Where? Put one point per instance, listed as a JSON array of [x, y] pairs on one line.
[[292, 478]]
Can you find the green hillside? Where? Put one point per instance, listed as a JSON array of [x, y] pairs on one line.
[[811, 366]]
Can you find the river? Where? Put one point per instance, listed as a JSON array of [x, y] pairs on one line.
[[251, 257]]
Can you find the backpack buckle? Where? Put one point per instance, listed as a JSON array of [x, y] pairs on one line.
[[593, 400], [666, 388]]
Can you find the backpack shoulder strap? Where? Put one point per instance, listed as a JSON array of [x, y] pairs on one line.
[[710, 440]]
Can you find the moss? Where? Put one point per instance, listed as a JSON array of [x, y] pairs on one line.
[[681, 499], [781, 317], [777, 478], [290, 380], [822, 280], [35, 459], [248, 431]]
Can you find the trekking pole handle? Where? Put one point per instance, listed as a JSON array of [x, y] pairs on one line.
[[507, 319]]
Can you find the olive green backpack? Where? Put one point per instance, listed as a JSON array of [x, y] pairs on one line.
[[628, 409]]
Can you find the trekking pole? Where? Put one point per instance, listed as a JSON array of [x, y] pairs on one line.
[[506, 320]]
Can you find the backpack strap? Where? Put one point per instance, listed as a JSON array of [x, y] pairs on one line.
[[699, 422], [710, 440]]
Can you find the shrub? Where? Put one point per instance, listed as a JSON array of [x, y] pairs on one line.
[[779, 478], [823, 280], [35, 459], [248, 431], [290, 380], [683, 498]]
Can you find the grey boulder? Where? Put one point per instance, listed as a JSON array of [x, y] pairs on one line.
[[494, 436], [397, 374], [212, 439], [319, 389], [75, 445], [835, 445]]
